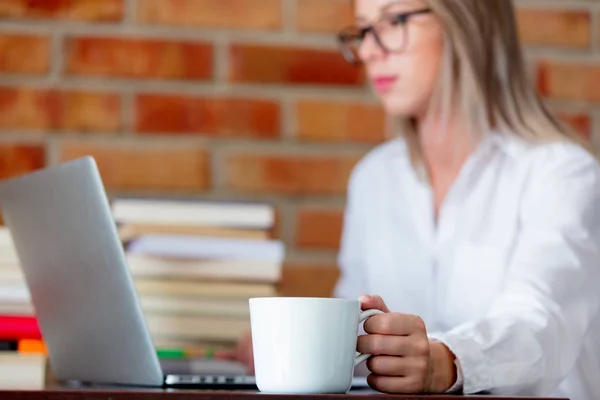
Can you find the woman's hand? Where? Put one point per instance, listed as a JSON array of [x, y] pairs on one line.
[[242, 353], [404, 360]]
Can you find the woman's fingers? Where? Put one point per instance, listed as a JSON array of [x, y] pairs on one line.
[[395, 324], [397, 366], [393, 345], [373, 303]]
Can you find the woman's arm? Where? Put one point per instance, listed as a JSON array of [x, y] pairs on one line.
[[532, 335]]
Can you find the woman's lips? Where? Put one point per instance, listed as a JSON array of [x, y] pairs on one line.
[[384, 83]]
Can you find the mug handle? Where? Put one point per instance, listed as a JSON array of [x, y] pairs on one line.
[[363, 317]]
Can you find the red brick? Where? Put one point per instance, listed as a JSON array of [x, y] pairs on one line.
[[581, 123], [24, 53], [561, 28], [319, 228], [324, 16], [53, 110], [18, 159], [340, 121], [308, 280], [226, 117], [231, 14], [289, 174], [569, 80], [76, 10], [139, 58], [143, 167], [292, 65]]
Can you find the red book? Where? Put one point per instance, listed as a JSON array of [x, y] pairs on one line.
[[19, 327]]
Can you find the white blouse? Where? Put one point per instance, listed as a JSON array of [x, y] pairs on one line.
[[509, 275]]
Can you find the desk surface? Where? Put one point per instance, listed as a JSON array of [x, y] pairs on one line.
[[106, 393]]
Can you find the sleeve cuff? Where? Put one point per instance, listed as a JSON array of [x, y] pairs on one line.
[[458, 385], [470, 364]]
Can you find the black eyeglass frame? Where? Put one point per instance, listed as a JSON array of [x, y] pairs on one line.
[[344, 36]]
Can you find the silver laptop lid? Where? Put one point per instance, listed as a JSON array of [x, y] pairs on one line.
[[76, 270]]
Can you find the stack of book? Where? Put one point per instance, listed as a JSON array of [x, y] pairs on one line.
[[14, 296], [195, 264], [22, 370], [22, 351]]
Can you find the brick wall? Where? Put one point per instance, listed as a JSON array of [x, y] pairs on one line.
[[232, 99]]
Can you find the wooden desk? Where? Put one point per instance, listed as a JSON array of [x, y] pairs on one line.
[[66, 393]]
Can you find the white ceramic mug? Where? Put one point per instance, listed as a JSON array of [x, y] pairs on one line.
[[306, 345]]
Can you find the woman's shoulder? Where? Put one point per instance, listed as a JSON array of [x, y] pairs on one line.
[[561, 171], [556, 157]]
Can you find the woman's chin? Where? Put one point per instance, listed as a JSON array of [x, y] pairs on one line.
[[400, 107], [399, 110]]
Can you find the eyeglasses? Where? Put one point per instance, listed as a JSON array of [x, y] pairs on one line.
[[390, 33]]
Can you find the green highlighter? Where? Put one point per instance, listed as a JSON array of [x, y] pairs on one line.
[[183, 354]]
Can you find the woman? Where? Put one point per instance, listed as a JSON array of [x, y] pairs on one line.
[[479, 226]]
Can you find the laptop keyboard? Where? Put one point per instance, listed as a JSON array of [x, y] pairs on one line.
[[210, 380]]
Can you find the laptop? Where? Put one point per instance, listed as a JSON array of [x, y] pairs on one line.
[[81, 289]]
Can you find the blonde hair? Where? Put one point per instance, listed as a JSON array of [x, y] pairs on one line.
[[484, 76]]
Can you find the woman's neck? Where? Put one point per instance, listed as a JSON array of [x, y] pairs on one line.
[[444, 148]]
